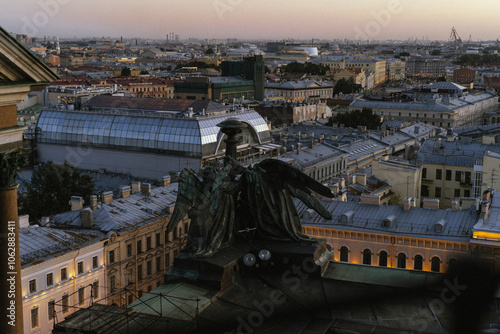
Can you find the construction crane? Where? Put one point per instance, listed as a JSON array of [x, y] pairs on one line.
[[454, 36], [470, 39]]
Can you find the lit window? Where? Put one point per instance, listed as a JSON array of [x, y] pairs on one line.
[[34, 317], [32, 285]]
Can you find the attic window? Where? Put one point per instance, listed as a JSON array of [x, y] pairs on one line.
[[439, 226], [389, 221], [346, 218]]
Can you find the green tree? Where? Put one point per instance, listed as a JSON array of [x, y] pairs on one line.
[[354, 118], [51, 188], [144, 72], [346, 86], [126, 72], [436, 52], [209, 51]]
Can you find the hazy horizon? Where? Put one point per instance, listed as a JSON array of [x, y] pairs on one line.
[[256, 19]]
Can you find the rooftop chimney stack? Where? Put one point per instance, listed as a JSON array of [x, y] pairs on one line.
[[107, 197], [93, 202], [125, 191], [24, 221], [165, 181], [146, 189], [136, 187], [87, 217], [454, 205], [430, 203], [76, 203], [406, 203]]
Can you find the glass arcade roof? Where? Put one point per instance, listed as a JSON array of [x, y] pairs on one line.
[[195, 136]]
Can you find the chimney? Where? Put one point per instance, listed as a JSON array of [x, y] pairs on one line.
[[486, 195], [146, 189], [361, 178], [370, 199], [87, 217], [125, 191], [311, 144], [93, 202], [413, 202], [345, 176], [454, 205], [430, 203], [165, 181], [24, 221], [136, 187], [107, 197], [76, 203], [407, 203], [485, 208]]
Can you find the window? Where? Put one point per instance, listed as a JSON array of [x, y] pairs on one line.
[[32, 285], [382, 259], [468, 178], [130, 299], [448, 175], [112, 286], [158, 264], [148, 243], [424, 190], [451, 264], [50, 279], [435, 264], [424, 173], [95, 262], [175, 253], [158, 241], [167, 260], [139, 272], [81, 296], [466, 193], [457, 193], [437, 192], [148, 268], [458, 175], [64, 302], [367, 256], [344, 254], [112, 256], [34, 317], [51, 306], [139, 293], [95, 289], [150, 288], [401, 260], [129, 250], [439, 174], [139, 246], [80, 267], [418, 262]]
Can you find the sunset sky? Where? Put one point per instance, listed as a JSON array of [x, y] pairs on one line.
[[272, 19]]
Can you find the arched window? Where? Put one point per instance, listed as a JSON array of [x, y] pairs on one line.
[[401, 260], [435, 264], [382, 259], [344, 254], [451, 264], [367, 256], [418, 262]]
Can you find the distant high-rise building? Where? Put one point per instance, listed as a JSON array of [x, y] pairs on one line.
[[251, 68]]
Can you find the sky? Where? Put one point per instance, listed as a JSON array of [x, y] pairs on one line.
[[254, 19]]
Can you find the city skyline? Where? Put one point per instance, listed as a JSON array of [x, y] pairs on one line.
[[323, 19]]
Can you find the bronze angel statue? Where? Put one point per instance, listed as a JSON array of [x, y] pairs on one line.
[[257, 198]]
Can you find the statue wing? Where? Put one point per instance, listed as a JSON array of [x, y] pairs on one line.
[[189, 188], [297, 183]]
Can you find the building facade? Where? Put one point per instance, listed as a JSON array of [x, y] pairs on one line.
[[298, 91]]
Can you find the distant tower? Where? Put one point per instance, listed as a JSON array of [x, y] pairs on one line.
[[58, 47]]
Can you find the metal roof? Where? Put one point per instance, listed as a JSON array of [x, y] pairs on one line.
[[38, 243], [124, 214], [417, 222]]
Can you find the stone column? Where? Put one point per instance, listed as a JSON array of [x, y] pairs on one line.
[[11, 302]]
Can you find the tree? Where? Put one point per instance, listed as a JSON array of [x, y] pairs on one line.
[[209, 51], [436, 52], [346, 86], [51, 188], [126, 72], [352, 119], [144, 72]]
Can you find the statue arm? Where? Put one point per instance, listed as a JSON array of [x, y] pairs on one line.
[[189, 189]]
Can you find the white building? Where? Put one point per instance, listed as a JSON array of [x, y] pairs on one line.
[[62, 271]]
